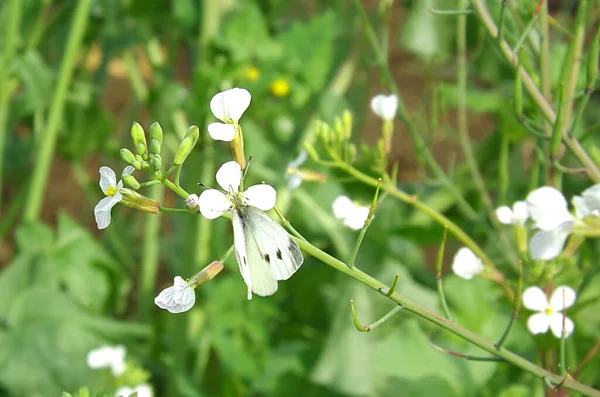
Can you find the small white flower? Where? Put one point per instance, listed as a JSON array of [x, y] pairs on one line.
[[178, 298], [142, 390], [354, 215], [515, 216], [112, 357], [293, 176], [112, 189], [550, 314], [466, 264], [588, 204], [214, 203], [192, 201], [385, 107], [228, 106]]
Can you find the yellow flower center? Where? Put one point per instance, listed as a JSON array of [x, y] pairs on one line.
[[111, 191], [280, 87], [549, 311], [252, 74]]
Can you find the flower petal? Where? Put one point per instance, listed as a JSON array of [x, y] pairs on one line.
[[229, 105], [261, 196], [548, 245], [535, 299], [127, 171], [538, 323], [556, 325], [294, 164], [229, 176], [504, 215], [562, 298], [213, 203], [221, 131], [466, 264], [178, 298], [124, 391], [294, 181], [143, 390], [342, 206], [103, 208], [107, 178], [520, 212], [385, 107], [548, 208], [357, 217]]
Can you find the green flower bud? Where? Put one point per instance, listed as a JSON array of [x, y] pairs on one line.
[[155, 163], [347, 122], [139, 158], [156, 133], [145, 166], [339, 130], [352, 153], [130, 181], [154, 146], [185, 148], [136, 164], [312, 152], [194, 133], [139, 138], [127, 156]]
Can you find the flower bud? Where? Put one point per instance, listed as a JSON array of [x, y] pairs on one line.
[[133, 199], [154, 147], [156, 133], [192, 202], [139, 138], [185, 148], [136, 164], [194, 133], [352, 153], [155, 163], [206, 274], [127, 156], [311, 150], [140, 149], [130, 181], [347, 123]]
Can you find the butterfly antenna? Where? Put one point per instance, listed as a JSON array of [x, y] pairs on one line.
[[246, 169]]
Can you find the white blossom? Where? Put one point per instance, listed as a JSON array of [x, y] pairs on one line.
[[353, 215], [385, 107], [112, 189], [143, 390], [112, 357], [293, 176], [516, 216], [549, 314], [466, 264], [178, 298], [192, 201], [228, 106]]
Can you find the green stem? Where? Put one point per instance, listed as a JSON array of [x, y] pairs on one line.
[[177, 189], [150, 183], [546, 79], [174, 210], [13, 18], [544, 106], [363, 231], [440, 321], [44, 157]]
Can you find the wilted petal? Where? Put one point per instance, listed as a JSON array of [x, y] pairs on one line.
[[548, 245], [103, 208], [520, 212], [107, 178], [504, 215], [213, 203], [556, 325], [538, 323], [229, 176], [562, 298], [385, 107], [221, 131], [178, 298], [229, 105], [535, 299], [466, 264], [262, 196], [342, 206], [548, 208]]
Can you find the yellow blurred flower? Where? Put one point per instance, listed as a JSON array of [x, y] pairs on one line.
[[252, 74], [280, 87]]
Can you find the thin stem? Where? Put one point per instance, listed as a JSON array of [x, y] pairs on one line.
[[177, 189], [286, 223], [438, 274], [446, 324], [588, 356], [150, 183], [516, 307], [467, 357], [369, 328], [174, 210], [450, 12], [544, 106], [227, 254], [45, 154], [363, 231], [501, 19]]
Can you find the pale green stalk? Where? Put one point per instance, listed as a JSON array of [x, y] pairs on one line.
[[546, 79], [43, 161], [150, 256]]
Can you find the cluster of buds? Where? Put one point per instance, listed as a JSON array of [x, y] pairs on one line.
[[335, 140], [145, 158]]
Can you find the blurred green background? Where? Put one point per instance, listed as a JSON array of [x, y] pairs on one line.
[[67, 288]]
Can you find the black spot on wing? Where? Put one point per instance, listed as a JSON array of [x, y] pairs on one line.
[[245, 261], [267, 258], [243, 219], [279, 254]]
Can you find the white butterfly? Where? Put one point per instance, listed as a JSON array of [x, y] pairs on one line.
[[264, 250]]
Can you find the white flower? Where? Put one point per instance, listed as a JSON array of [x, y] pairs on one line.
[[550, 314], [142, 390], [112, 357], [178, 298], [588, 204], [192, 201], [293, 176], [112, 190], [466, 264], [214, 203], [385, 107], [354, 215], [228, 106], [515, 216]]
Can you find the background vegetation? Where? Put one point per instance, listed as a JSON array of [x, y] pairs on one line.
[[470, 136]]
